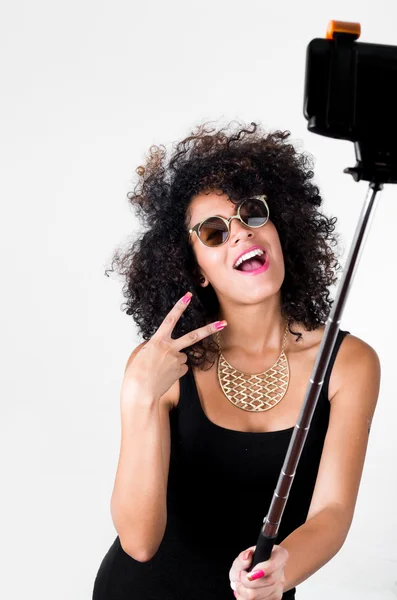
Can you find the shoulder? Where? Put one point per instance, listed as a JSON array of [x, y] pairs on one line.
[[355, 360]]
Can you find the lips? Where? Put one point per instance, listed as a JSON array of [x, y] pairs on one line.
[[255, 247]]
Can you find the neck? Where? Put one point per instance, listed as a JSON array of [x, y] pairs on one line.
[[253, 331]]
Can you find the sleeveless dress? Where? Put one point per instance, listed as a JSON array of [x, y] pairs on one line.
[[220, 486]]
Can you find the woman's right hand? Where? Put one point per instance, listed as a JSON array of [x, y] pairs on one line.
[[160, 362]]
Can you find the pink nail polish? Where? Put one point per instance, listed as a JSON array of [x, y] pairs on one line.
[[220, 324], [186, 297], [256, 575]]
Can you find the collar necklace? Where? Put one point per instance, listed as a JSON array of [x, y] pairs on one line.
[[254, 393]]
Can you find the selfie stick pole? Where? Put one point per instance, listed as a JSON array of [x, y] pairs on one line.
[[269, 530]]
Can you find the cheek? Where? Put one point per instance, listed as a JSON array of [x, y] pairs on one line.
[[211, 260], [277, 249], [280, 255]]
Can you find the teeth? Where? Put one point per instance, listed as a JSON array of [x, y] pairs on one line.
[[247, 256]]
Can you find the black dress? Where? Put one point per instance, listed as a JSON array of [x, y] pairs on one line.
[[220, 486]]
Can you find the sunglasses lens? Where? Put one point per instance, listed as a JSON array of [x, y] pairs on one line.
[[254, 212], [213, 232]]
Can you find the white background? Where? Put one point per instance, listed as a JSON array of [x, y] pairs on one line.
[[86, 88]]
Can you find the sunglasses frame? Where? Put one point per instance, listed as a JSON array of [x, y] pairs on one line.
[[196, 227]]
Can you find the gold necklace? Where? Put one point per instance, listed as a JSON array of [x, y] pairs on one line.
[[254, 393]]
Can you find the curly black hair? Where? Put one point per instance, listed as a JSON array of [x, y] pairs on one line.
[[160, 266]]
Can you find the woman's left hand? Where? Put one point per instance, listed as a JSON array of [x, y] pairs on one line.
[[269, 584]]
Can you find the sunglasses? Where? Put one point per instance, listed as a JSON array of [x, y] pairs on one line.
[[215, 231]]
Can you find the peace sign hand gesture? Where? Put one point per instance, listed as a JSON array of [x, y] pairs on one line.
[[160, 361]]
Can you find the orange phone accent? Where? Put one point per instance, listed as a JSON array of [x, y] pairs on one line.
[[343, 27]]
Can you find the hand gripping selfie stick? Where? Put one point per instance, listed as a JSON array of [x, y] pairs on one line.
[[348, 95]]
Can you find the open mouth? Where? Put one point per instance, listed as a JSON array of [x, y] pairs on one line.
[[252, 263]]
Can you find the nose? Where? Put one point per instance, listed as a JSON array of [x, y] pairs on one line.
[[238, 230]]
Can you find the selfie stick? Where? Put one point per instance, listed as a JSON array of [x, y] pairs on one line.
[[269, 530], [268, 533]]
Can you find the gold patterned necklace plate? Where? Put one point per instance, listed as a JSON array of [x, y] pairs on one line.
[[254, 393]]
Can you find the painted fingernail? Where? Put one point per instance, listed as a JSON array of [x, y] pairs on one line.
[[256, 575], [220, 324], [235, 594], [186, 297], [247, 555]]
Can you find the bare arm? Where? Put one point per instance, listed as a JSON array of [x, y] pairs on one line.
[[139, 499], [138, 504]]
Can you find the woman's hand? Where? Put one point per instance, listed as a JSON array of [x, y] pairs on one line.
[[269, 582], [161, 362]]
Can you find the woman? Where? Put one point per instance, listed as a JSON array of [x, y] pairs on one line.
[[209, 400]]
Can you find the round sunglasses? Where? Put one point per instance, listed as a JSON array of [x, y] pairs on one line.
[[215, 231]]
